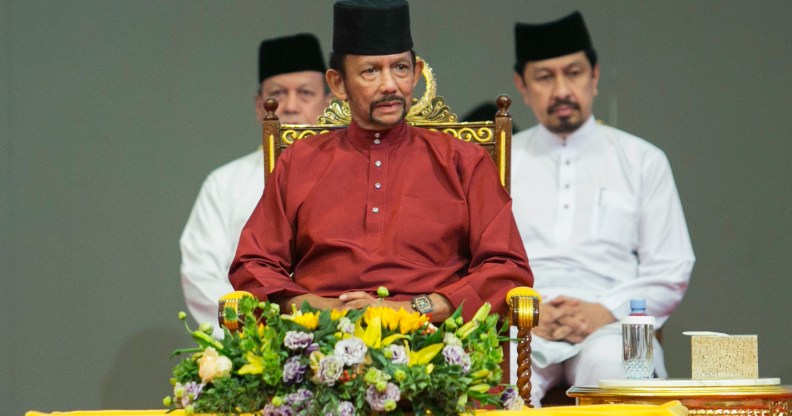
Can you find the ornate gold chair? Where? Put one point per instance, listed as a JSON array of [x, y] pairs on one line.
[[431, 112]]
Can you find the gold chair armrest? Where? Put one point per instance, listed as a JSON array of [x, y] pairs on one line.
[[523, 305]]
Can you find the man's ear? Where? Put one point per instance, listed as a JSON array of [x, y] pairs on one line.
[[336, 83], [595, 74], [258, 102], [519, 83], [417, 72]]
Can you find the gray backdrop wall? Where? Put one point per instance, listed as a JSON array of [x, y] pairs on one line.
[[114, 112]]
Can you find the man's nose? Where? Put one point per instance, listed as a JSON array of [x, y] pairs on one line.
[[290, 102], [561, 87], [388, 83]]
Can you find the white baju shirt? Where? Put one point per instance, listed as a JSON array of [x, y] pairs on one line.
[[209, 241], [601, 221], [600, 218]]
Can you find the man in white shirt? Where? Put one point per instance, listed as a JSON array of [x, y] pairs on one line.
[[597, 209], [291, 69]]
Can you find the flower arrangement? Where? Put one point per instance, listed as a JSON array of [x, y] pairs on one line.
[[350, 362]]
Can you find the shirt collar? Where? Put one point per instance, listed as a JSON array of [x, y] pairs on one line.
[[366, 139]]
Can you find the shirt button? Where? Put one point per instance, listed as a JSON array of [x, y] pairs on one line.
[[566, 186], [376, 135], [566, 206], [378, 163], [375, 210], [378, 185], [376, 141], [568, 162]]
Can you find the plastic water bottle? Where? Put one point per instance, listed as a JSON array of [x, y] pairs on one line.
[[637, 341]]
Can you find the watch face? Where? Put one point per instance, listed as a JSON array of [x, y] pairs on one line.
[[422, 304]]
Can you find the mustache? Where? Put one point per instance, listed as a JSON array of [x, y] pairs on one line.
[[389, 98], [562, 102]]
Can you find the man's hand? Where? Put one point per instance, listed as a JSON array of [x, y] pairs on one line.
[[558, 319], [596, 317], [571, 320], [313, 300], [359, 300]]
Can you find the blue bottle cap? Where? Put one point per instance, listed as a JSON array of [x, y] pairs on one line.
[[637, 303]]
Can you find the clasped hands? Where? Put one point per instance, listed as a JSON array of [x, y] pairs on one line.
[[349, 300], [570, 319], [360, 300]]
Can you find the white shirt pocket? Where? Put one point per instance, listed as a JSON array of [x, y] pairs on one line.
[[615, 219]]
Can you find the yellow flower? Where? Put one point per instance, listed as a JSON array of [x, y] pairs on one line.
[[392, 338], [411, 321], [313, 361], [425, 355], [309, 320], [255, 364], [336, 314], [386, 315], [372, 334], [405, 322]]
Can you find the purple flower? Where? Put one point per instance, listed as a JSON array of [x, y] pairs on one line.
[[346, 409], [187, 393], [351, 350], [511, 400], [346, 326], [398, 354], [300, 399], [297, 340], [311, 348], [293, 371], [383, 401], [456, 355], [272, 410], [330, 369]]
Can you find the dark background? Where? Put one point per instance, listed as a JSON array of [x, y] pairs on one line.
[[113, 112]]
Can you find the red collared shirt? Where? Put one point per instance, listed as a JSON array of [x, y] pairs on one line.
[[410, 209]]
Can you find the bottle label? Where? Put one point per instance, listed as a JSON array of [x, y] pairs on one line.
[[638, 320]]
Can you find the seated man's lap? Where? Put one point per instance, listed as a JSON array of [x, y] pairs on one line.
[[600, 358]]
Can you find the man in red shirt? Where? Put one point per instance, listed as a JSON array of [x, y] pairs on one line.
[[381, 203]]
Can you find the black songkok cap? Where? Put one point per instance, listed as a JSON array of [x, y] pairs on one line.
[[371, 27], [535, 42], [296, 53]]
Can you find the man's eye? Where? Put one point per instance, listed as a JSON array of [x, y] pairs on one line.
[[369, 71], [306, 93], [277, 93]]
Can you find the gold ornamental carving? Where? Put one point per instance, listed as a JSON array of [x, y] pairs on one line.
[[473, 133], [290, 135]]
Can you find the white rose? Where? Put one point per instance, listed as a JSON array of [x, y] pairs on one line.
[[213, 365]]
